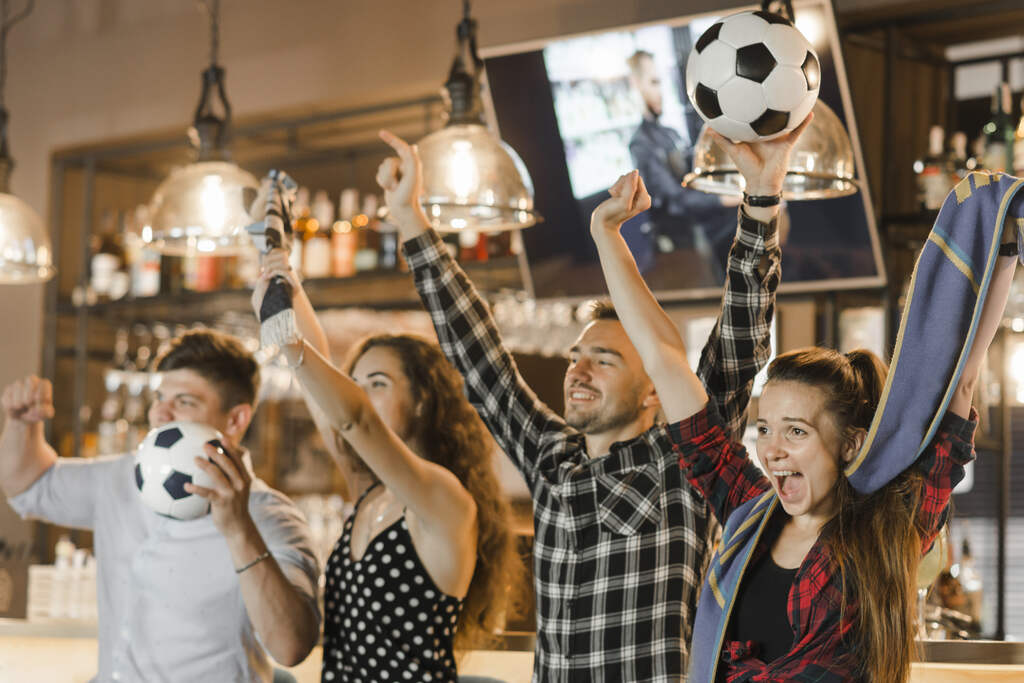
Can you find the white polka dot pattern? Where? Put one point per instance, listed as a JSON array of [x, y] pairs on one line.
[[381, 614]]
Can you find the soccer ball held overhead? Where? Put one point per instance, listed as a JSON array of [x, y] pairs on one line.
[[753, 76]]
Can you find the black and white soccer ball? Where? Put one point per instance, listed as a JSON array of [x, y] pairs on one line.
[[753, 76], [164, 463]]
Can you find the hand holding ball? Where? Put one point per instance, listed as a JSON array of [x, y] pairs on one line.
[[165, 462], [753, 76]]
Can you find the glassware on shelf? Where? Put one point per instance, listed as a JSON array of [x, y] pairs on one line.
[[933, 562]]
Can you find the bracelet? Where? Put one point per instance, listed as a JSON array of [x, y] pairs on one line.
[[1009, 249], [302, 355], [762, 199], [254, 562]]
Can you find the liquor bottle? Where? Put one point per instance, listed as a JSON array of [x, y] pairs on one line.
[[960, 163], [367, 237], [316, 250], [999, 132], [343, 236], [301, 216], [933, 173], [107, 257], [145, 262], [970, 579], [1018, 144], [472, 246], [389, 256], [499, 244]]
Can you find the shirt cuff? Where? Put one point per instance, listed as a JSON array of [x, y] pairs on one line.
[[686, 430], [424, 249], [753, 231], [959, 428]]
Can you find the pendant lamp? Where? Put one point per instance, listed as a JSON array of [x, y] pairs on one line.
[[203, 207], [820, 167], [25, 252], [472, 180]]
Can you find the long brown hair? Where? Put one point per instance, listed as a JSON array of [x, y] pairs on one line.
[[875, 539], [454, 437]]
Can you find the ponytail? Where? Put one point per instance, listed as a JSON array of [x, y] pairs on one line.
[[875, 540]]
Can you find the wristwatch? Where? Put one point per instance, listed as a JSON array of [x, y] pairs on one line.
[[763, 200]]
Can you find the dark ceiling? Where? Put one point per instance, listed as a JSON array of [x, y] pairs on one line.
[[939, 22]]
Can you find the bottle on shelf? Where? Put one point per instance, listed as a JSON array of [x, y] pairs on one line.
[[960, 163], [933, 172], [316, 248], [107, 259], [389, 257], [367, 237], [999, 132], [970, 579], [499, 244], [1018, 144], [472, 246], [343, 236], [300, 218], [145, 262]]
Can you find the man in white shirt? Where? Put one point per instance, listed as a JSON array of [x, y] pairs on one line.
[[202, 600]]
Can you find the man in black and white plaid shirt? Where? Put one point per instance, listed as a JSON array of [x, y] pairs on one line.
[[620, 538]]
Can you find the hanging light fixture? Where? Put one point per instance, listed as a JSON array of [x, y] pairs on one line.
[[25, 252], [471, 179], [821, 165], [203, 207]]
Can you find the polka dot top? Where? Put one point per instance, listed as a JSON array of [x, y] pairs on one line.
[[385, 620]]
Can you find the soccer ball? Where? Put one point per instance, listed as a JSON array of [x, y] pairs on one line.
[[164, 464], [753, 76]]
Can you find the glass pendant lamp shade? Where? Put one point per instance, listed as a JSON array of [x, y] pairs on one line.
[[821, 165], [472, 180], [25, 253], [202, 208]]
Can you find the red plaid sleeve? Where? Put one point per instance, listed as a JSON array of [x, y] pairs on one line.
[[942, 464], [718, 467]]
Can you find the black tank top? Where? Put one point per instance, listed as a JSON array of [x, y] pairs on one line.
[[384, 619], [761, 608]]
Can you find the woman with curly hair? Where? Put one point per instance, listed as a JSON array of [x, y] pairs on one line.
[[425, 562]]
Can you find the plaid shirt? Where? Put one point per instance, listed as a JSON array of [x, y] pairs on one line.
[[720, 468], [620, 540]]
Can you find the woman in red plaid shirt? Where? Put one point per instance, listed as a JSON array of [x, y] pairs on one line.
[[812, 581]]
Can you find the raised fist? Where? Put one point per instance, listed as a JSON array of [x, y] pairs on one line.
[[28, 400]]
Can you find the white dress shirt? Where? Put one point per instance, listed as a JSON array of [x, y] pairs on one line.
[[169, 602]]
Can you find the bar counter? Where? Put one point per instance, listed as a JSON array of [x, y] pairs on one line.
[[66, 652]]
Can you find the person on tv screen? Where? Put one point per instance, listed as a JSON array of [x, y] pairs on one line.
[[678, 217]]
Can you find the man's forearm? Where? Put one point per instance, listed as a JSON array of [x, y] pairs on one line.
[[282, 616], [728, 366], [24, 456]]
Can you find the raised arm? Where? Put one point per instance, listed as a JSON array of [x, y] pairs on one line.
[[469, 338], [988, 325], [656, 338], [431, 491], [24, 453], [275, 263], [652, 332]]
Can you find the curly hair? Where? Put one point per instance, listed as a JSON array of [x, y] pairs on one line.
[[453, 436]]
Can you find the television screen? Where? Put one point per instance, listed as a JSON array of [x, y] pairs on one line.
[[582, 110]]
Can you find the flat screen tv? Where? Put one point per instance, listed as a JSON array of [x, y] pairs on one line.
[[583, 109]]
